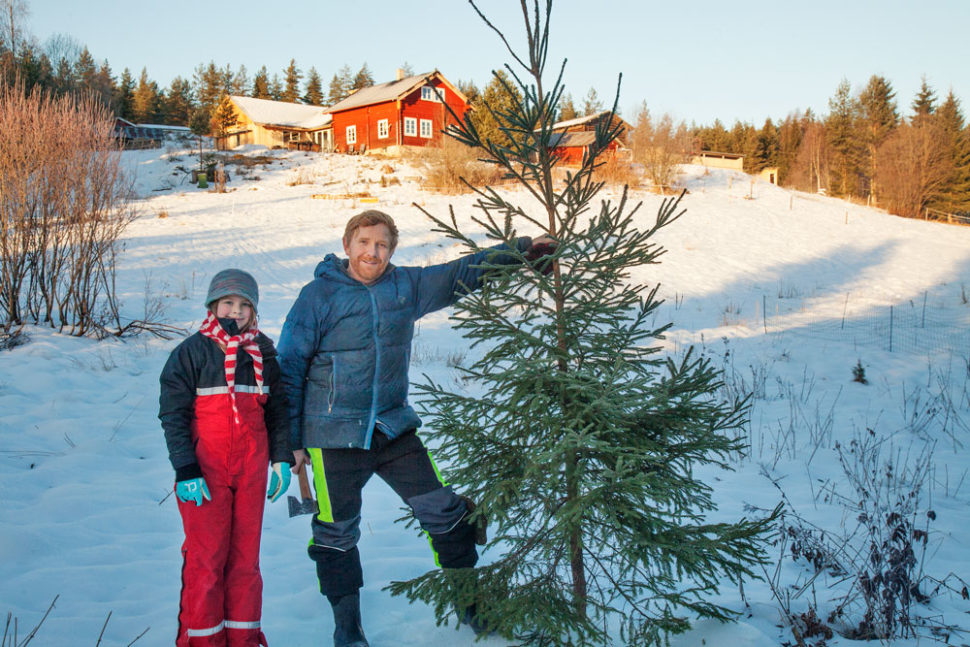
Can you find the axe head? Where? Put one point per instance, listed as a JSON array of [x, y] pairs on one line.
[[305, 504], [301, 506]]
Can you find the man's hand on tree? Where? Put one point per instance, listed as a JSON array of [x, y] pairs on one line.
[[538, 254]]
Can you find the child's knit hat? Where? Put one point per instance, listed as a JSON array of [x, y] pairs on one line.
[[233, 281]]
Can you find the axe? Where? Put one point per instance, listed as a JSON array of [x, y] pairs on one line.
[[306, 504]]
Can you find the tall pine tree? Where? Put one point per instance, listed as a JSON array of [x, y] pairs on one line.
[[956, 136], [843, 140], [878, 117], [314, 88], [293, 76], [261, 84], [578, 441]]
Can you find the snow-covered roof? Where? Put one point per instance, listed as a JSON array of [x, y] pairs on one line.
[[578, 121], [383, 92], [280, 113]]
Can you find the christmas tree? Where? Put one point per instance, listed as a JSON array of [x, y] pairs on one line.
[[576, 438]]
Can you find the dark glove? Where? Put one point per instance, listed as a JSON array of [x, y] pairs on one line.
[[538, 256]]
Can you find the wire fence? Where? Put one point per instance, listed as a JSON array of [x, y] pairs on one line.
[[909, 327]]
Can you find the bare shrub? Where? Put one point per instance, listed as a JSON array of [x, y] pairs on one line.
[[303, 175], [64, 202], [449, 166], [880, 555], [617, 172]]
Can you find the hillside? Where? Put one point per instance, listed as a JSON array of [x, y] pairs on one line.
[[788, 292]]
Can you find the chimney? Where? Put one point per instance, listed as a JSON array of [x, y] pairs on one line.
[[400, 73]]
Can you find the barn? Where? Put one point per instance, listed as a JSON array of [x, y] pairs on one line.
[[409, 111], [276, 124], [572, 139]]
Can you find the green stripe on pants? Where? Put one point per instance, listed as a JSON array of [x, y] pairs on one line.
[[320, 484], [436, 470]]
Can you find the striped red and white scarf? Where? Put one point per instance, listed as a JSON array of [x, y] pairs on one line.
[[232, 343]]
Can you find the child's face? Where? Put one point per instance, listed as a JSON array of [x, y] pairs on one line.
[[237, 308]]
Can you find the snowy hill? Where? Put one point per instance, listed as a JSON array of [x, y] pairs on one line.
[[787, 292]]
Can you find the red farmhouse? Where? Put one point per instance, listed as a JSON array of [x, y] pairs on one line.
[[410, 111]]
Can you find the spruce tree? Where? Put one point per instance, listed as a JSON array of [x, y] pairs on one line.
[[924, 104], [124, 94], [363, 78], [178, 102], [261, 84], [209, 86], [293, 75], [577, 440], [314, 88], [843, 140], [956, 136], [878, 117]]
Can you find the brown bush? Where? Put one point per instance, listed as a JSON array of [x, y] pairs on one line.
[[616, 171], [64, 202], [449, 166]]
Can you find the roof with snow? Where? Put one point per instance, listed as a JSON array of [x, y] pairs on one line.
[[579, 121], [280, 113], [390, 91]]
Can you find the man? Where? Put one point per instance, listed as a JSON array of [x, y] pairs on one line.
[[344, 352]]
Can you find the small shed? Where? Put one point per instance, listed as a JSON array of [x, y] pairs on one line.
[[769, 174], [277, 124], [408, 111], [715, 159], [573, 138]]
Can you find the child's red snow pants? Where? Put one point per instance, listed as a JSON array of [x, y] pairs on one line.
[[222, 588]]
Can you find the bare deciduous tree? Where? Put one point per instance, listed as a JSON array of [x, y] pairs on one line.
[[914, 166], [659, 147]]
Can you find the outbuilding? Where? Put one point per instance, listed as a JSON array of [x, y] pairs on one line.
[[572, 139]]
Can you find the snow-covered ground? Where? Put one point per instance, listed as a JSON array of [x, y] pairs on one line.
[[786, 291]]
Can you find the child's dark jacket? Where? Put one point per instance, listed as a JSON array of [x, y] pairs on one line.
[[197, 416]]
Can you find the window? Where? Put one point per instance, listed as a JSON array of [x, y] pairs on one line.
[[351, 134], [410, 126], [382, 129], [426, 128], [431, 93]]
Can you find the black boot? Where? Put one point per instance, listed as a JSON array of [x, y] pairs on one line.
[[346, 617], [469, 616]]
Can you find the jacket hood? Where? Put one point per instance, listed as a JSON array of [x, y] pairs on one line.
[[334, 268]]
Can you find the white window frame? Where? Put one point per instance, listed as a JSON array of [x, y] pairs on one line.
[[351, 134], [383, 128], [431, 93], [411, 126], [427, 129]]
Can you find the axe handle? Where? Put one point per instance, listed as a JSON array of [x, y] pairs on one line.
[[304, 483]]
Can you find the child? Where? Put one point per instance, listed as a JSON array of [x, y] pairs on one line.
[[224, 416]]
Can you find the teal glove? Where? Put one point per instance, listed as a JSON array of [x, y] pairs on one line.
[[193, 490], [279, 481]]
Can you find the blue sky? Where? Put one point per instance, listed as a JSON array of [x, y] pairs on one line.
[[698, 60]]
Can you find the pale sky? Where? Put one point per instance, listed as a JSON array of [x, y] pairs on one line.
[[698, 60]]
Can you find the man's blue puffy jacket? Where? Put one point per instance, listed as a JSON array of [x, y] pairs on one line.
[[345, 346]]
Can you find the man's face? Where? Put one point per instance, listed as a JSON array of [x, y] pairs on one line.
[[369, 252]]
